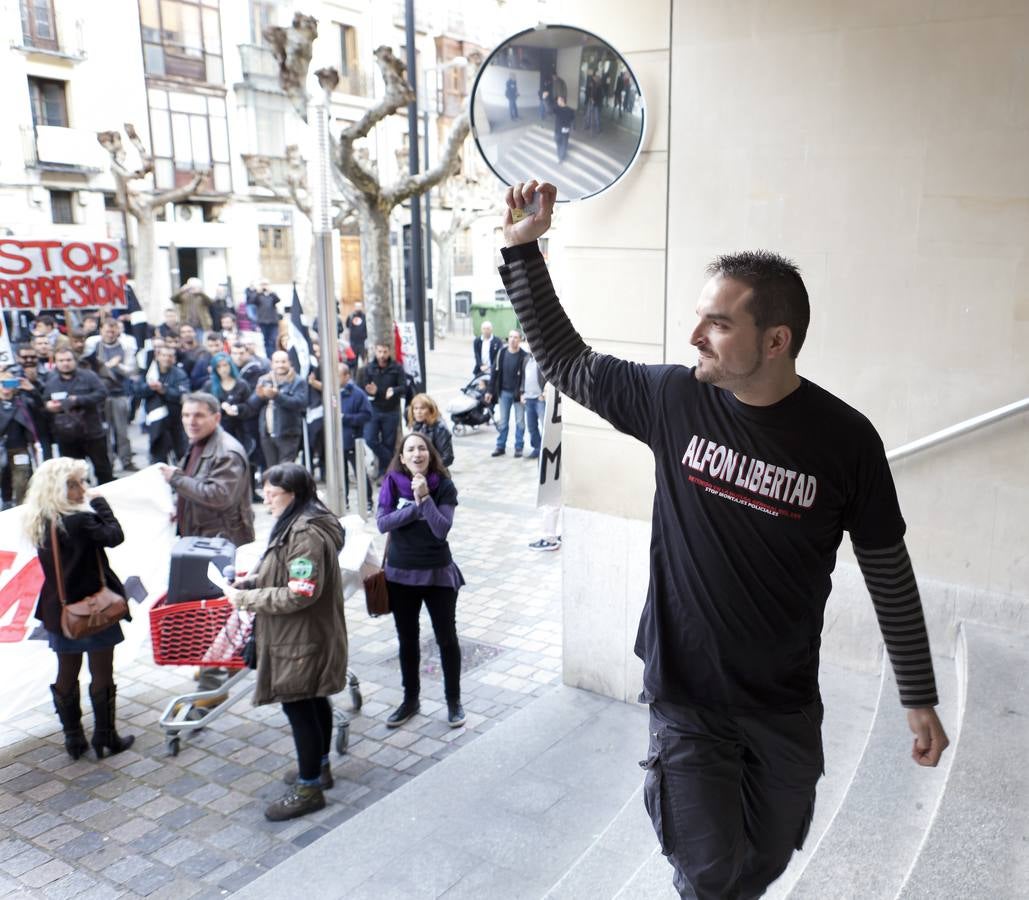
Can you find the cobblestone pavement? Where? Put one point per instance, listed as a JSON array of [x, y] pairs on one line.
[[145, 824]]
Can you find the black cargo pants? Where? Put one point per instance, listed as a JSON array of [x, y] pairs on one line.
[[731, 796]]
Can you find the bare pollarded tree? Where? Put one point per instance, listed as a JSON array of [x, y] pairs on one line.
[[356, 178], [142, 204]]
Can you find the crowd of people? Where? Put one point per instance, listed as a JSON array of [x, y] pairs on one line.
[[78, 388], [227, 417]]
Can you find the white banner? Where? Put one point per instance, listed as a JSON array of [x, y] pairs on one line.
[[409, 349], [548, 493], [143, 505], [56, 274], [6, 353]]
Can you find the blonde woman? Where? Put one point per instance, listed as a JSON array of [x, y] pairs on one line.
[[57, 494], [423, 417]]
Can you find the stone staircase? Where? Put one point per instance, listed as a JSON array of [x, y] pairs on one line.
[[548, 804]]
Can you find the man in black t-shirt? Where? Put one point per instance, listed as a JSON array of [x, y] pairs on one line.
[[759, 472]]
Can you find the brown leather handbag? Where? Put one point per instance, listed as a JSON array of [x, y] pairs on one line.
[[376, 592], [91, 614]]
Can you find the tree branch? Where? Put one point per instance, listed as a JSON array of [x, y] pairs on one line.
[[398, 94], [176, 195], [291, 48], [423, 181]]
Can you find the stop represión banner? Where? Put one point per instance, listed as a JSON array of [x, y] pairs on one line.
[[41, 274]]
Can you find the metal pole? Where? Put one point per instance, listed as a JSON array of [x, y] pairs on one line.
[[332, 426], [173, 266], [361, 477], [417, 285], [428, 243]]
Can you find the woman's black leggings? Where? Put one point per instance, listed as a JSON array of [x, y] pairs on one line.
[[405, 602], [101, 669], [311, 721]]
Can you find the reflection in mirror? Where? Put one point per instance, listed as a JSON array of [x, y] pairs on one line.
[[561, 105]]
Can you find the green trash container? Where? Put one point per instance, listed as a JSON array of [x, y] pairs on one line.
[[500, 313]]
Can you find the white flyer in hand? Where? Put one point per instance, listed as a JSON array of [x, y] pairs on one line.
[[216, 578]]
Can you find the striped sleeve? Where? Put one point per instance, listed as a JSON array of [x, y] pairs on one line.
[[898, 607], [560, 352]]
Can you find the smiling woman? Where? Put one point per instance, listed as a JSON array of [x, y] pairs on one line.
[[416, 509]]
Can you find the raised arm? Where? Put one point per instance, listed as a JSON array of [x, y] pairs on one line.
[[624, 393], [560, 352]]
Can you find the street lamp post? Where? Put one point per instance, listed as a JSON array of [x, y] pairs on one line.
[[416, 281], [456, 62], [332, 424]]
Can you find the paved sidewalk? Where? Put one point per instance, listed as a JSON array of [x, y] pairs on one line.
[[142, 824]]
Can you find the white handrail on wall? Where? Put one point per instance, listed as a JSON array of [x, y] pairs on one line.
[[938, 437]]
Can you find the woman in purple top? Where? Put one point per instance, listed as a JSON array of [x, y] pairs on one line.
[[416, 510]]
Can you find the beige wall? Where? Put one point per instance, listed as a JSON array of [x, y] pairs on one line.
[[885, 147]]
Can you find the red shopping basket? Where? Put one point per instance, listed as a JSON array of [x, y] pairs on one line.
[[199, 633]]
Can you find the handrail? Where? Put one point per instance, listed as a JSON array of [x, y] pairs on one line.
[[938, 437]]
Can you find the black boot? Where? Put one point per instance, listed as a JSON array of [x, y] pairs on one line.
[[105, 738], [70, 713]]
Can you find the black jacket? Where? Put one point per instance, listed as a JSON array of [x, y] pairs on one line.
[[494, 348], [85, 535], [392, 376], [17, 428], [498, 371], [290, 406], [82, 402]]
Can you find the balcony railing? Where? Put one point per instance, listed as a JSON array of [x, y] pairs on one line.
[[278, 170], [258, 63], [49, 146], [356, 83]]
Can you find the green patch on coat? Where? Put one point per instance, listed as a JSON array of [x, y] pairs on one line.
[[301, 567]]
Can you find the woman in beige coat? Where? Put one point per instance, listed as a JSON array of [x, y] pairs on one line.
[[301, 634]]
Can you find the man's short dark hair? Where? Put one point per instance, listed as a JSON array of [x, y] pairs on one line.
[[204, 399], [779, 296], [47, 320]]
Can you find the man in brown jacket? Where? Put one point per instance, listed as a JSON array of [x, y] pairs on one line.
[[213, 485]]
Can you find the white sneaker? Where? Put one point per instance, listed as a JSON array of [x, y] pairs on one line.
[[544, 544]]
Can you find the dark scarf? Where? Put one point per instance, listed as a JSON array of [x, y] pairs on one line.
[[396, 485]]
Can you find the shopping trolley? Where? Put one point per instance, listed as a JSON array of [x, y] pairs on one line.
[[212, 634]]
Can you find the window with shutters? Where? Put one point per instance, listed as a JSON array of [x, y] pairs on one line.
[[61, 209], [38, 27], [276, 252], [49, 105]]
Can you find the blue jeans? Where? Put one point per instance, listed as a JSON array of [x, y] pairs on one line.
[[535, 411], [507, 400], [380, 434]]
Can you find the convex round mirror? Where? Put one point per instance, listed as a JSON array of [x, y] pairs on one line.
[[558, 104]]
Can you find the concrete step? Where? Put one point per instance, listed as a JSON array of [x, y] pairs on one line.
[[850, 699], [978, 845], [506, 816], [547, 804], [877, 831]]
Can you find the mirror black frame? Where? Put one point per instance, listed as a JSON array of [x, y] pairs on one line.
[[641, 100]]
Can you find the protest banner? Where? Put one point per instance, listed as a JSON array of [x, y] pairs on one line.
[[407, 355], [143, 505], [6, 353], [548, 492], [61, 274]]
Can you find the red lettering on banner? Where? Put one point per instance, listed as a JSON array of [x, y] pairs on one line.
[[24, 262], [105, 254], [20, 594], [66, 257]]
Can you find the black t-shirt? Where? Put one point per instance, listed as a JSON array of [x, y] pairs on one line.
[[510, 371], [750, 508], [415, 546]]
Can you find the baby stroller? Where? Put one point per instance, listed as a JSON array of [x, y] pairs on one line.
[[470, 410]]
